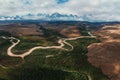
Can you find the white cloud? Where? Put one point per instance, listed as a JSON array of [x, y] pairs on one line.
[[107, 9]]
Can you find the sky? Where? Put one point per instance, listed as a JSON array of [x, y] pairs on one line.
[[96, 9]]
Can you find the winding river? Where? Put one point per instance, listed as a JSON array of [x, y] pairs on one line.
[[62, 42]]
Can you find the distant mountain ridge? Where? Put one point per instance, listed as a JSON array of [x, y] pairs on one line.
[[59, 17], [41, 16]]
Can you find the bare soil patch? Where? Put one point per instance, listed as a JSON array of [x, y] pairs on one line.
[[106, 55], [70, 32]]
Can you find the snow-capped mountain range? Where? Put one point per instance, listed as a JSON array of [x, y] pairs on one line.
[[40, 16]]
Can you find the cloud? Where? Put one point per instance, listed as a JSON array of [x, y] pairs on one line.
[[99, 9], [27, 2], [62, 1]]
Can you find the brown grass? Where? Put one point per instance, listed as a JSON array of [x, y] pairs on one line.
[[70, 31], [106, 55]]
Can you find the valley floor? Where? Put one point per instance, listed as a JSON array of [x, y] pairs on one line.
[[66, 61]]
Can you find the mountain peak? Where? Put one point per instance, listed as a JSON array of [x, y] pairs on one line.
[[41, 16]]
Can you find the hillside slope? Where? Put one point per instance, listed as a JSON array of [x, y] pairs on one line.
[[106, 55]]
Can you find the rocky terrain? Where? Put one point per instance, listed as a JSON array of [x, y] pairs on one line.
[[106, 55]]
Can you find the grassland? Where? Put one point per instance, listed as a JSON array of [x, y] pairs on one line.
[[63, 65], [50, 64]]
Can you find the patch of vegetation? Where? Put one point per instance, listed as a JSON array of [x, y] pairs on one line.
[[72, 65], [4, 33], [36, 73], [62, 65], [4, 44], [4, 58], [51, 34], [84, 33], [28, 42], [3, 74]]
